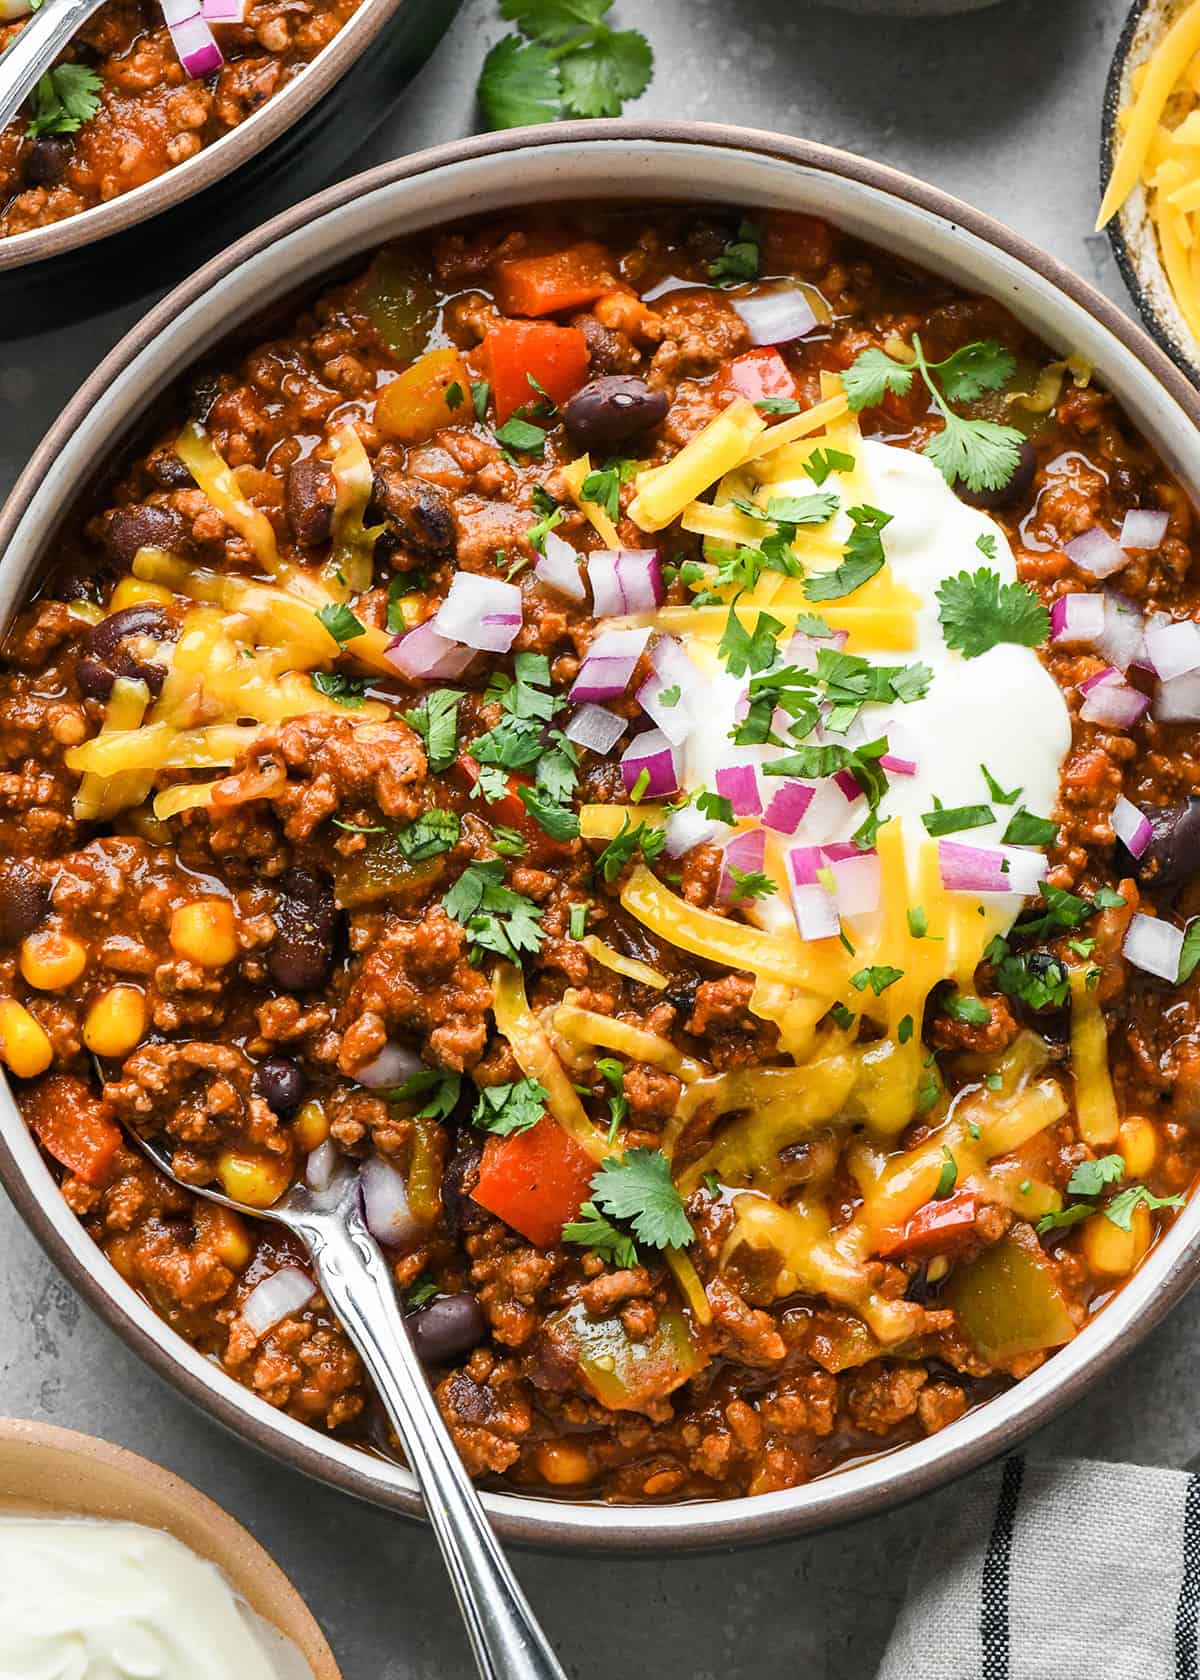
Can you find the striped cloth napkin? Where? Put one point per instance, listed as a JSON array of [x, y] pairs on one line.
[[1055, 1571]]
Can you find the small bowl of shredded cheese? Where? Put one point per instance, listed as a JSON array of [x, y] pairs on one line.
[[1150, 170]]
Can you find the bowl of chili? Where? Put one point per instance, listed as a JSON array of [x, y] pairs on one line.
[[615, 1239], [123, 158]]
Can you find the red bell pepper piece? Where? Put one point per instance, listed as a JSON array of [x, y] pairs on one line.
[[510, 811], [75, 1127], [515, 351], [536, 1181], [760, 374], [936, 1228], [546, 285]]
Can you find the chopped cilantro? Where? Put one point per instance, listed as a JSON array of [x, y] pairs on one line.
[[508, 841], [750, 884], [620, 849], [1120, 1209], [670, 696], [824, 461], [523, 435], [740, 258], [744, 650], [1189, 954], [637, 1186], [947, 1177], [433, 833], [453, 395], [64, 98], [613, 1073], [480, 391], [985, 542], [879, 979], [904, 1031], [420, 1294], [1090, 1177], [435, 720], [996, 791], [978, 613], [505, 1109], [598, 1234], [715, 806], [602, 486], [439, 1088], [864, 557], [1024, 829], [496, 918], [955, 818], [777, 405], [842, 1016], [964, 1008], [336, 685], [558, 821], [340, 622]]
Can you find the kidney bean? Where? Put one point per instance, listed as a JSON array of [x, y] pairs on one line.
[[308, 498], [418, 513], [105, 657], [1173, 855], [281, 1084], [46, 161], [301, 954], [451, 1325], [458, 1178], [1017, 486], [127, 529], [24, 900], [611, 410]]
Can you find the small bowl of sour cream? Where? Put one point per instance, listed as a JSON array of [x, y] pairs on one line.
[[113, 1567]]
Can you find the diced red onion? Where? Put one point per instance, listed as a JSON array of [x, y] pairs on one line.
[[1122, 640], [745, 852], [1131, 826], [191, 37], [901, 757], [675, 721], [1178, 701], [1144, 528], [392, 1066], [385, 1203], [1173, 648], [1096, 552], [672, 669], [803, 649], [1111, 701], [653, 753], [277, 1297], [814, 908], [804, 865], [858, 880], [625, 580], [776, 317], [608, 665], [1154, 946], [689, 827], [596, 727], [847, 782], [1077, 620], [786, 809], [481, 611], [422, 654], [224, 11], [558, 568], [739, 784], [896, 766], [321, 1165], [988, 869]]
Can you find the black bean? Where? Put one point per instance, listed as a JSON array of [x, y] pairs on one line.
[[281, 1084], [127, 529], [46, 161], [417, 512], [1008, 494], [24, 900], [447, 1327], [168, 471], [203, 392], [1173, 855], [309, 496], [301, 954], [610, 411]]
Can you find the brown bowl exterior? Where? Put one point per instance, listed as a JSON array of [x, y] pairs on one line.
[[696, 155], [60, 1472]]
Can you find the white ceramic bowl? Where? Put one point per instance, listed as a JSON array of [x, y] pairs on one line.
[[688, 163]]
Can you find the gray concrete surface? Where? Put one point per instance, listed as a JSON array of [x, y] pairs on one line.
[[1001, 107]]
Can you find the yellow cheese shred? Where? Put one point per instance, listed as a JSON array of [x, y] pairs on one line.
[[216, 479], [573, 475], [1095, 1103], [628, 966], [715, 450]]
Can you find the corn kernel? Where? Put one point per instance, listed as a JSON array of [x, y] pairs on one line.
[[310, 1126], [415, 609], [24, 1047], [115, 1022], [203, 932], [50, 960], [1111, 1252], [1138, 1143], [131, 592], [564, 1463], [226, 1234], [257, 1180]]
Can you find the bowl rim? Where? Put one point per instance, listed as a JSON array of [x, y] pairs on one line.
[[858, 1491], [215, 161], [108, 1481], [1184, 352]]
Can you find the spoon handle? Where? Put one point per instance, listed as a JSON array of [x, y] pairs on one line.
[[357, 1282], [36, 48]]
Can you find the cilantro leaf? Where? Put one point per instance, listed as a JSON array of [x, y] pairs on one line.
[[980, 452], [947, 1178], [751, 883], [600, 75], [480, 390], [1064, 1218], [637, 1186], [777, 405], [436, 722], [1035, 978], [519, 84], [496, 918], [824, 461], [984, 366], [64, 98], [433, 833], [716, 806], [740, 257], [439, 1087], [956, 818], [977, 612], [1189, 954], [593, 1231], [340, 622], [744, 650], [1024, 829], [620, 849], [996, 791], [336, 685], [421, 1294], [523, 435], [554, 20], [558, 821], [602, 486], [1120, 1209], [879, 979], [505, 1109], [872, 375], [964, 1008], [612, 1071], [864, 557], [1090, 1177], [985, 542]]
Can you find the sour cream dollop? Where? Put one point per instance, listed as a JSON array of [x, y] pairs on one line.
[[94, 1600], [1002, 709]]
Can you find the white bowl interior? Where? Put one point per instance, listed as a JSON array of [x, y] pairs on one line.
[[614, 169]]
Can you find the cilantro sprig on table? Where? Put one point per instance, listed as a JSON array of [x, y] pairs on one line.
[[571, 63], [64, 99], [981, 453]]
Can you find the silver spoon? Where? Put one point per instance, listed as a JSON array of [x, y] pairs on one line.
[[36, 48], [357, 1282]]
